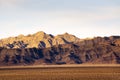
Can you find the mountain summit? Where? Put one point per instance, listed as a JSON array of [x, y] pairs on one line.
[[37, 40]]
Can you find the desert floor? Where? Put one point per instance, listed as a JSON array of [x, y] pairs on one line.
[[59, 72]]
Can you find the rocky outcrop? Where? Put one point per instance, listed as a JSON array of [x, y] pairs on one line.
[[99, 50], [37, 40]]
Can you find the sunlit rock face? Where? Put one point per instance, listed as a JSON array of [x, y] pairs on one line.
[[37, 40]]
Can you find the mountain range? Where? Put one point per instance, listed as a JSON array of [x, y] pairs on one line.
[[41, 48]]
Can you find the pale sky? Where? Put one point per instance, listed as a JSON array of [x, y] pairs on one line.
[[83, 18]]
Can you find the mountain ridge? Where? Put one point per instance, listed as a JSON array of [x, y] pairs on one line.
[[39, 39], [60, 49]]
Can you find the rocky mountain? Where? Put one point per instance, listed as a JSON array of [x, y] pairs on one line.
[[99, 50], [37, 40]]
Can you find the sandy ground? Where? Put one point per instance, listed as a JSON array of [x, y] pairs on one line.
[[67, 65]]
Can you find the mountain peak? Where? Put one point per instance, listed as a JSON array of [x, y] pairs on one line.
[[39, 39], [40, 33], [66, 33], [68, 37], [21, 35]]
